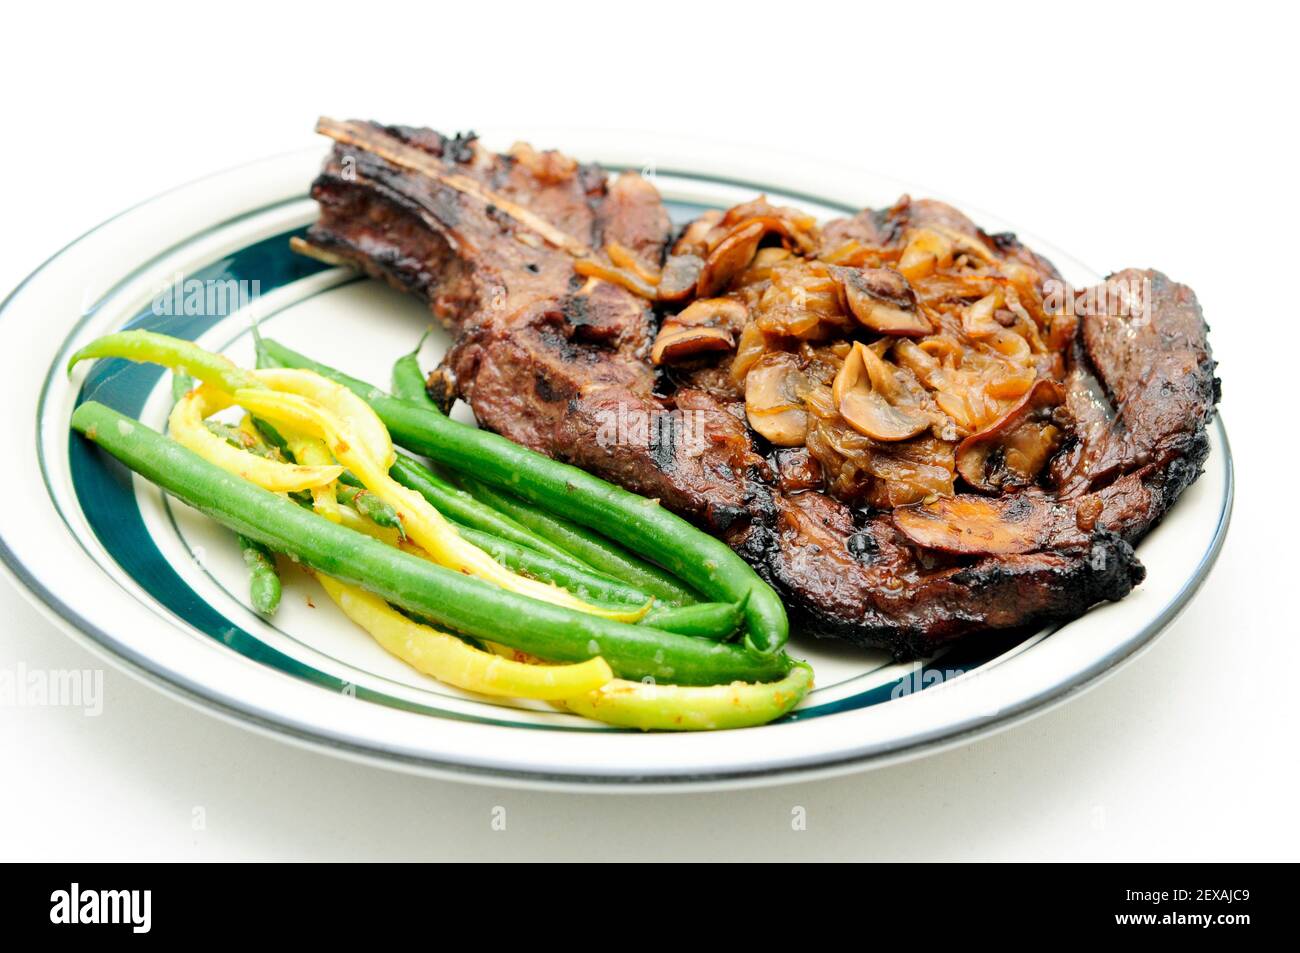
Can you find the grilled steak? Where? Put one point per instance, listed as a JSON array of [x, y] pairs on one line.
[[553, 349]]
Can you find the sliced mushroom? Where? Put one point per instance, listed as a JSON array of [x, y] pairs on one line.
[[873, 416], [676, 342], [774, 399], [729, 313], [882, 300], [865, 408], [1013, 451], [794, 234], [731, 256], [705, 326], [883, 377]]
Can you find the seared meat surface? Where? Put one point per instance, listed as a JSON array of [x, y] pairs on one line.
[[898, 516]]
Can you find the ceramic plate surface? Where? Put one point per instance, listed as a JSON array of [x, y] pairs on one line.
[[162, 590]]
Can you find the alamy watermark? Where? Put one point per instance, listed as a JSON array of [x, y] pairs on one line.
[[1129, 298], [133, 908], [940, 679], [208, 297], [23, 687], [652, 429]]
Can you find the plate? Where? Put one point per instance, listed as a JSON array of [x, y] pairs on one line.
[[162, 591]]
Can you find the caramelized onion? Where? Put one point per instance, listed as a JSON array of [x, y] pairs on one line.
[[594, 268], [978, 320], [961, 241], [953, 375], [926, 251], [749, 349], [628, 260]]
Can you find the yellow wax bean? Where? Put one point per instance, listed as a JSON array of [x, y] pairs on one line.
[[450, 660]]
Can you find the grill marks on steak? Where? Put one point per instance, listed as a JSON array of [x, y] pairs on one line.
[[561, 364]]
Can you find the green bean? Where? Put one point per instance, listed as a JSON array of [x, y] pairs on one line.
[[591, 548], [710, 620], [263, 579], [408, 379], [583, 583], [456, 504], [369, 506], [706, 563], [170, 352], [449, 598]]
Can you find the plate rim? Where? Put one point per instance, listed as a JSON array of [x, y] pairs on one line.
[[85, 631]]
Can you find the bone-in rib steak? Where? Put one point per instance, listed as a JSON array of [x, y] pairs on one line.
[[557, 356]]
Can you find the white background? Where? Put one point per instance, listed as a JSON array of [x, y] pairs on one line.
[[1129, 135]]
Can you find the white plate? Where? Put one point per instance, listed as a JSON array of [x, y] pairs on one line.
[[162, 590]]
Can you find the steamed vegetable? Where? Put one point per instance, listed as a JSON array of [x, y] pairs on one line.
[[263, 579], [311, 472], [187, 427], [264, 588], [369, 505], [462, 603], [707, 564], [313, 408]]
